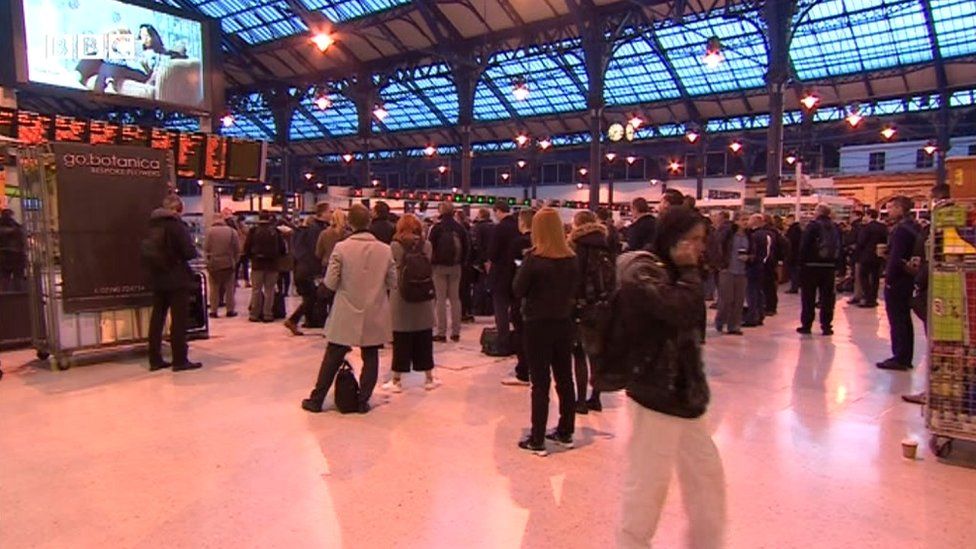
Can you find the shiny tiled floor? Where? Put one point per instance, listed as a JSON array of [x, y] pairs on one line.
[[114, 456]]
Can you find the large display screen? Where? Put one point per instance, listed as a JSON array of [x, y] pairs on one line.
[[114, 48]]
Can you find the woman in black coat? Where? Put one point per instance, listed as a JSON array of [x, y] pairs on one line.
[[546, 286]]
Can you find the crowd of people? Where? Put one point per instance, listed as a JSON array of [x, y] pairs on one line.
[[589, 306]]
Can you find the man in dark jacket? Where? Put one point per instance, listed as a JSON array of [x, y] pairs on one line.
[[521, 245], [450, 250], [481, 233], [794, 234], [900, 284], [761, 243], [640, 234], [382, 227], [264, 245], [501, 270], [13, 253], [820, 251], [869, 264], [307, 268], [171, 281]]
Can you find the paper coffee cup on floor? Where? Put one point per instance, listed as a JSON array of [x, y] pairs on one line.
[[909, 448]]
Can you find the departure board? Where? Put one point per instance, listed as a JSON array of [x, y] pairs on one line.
[[245, 160], [191, 154], [160, 138], [33, 127], [136, 136], [8, 123], [215, 163], [104, 133], [70, 129]]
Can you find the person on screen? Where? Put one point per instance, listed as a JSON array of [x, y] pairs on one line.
[[142, 69]]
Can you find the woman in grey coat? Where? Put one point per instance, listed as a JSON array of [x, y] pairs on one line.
[[413, 323]]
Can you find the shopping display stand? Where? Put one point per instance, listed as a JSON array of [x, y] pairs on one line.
[[950, 412], [56, 334]]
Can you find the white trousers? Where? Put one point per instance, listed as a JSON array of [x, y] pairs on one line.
[[658, 445]]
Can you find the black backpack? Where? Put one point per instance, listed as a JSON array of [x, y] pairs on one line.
[[264, 243], [415, 278], [155, 251], [346, 389], [449, 247], [600, 277], [828, 244]]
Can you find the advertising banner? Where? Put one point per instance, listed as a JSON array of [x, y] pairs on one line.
[[105, 196]]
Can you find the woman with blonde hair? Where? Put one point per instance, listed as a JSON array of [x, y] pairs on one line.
[[337, 231], [546, 286], [413, 322]]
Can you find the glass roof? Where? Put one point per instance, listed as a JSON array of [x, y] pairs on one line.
[[554, 74], [426, 98], [254, 21], [252, 120], [853, 36], [346, 10], [636, 74], [744, 66], [954, 26], [339, 120]]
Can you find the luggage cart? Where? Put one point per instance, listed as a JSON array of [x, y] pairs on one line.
[[55, 333], [950, 410]]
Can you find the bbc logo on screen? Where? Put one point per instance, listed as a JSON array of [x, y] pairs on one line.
[[107, 46]]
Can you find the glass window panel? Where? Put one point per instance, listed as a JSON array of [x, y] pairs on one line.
[[345, 10], [954, 26], [425, 99], [340, 119], [254, 21]]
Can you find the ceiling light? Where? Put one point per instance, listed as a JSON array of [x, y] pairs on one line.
[[692, 136], [453, 189], [323, 101], [521, 163], [888, 133], [318, 185], [579, 185], [199, 182], [735, 146], [347, 158], [855, 117], [674, 166], [611, 156], [309, 175], [635, 121], [267, 187], [323, 41], [545, 144], [740, 177], [655, 181], [810, 101], [713, 53], [583, 171], [521, 139], [520, 89], [380, 112], [227, 120], [930, 148], [631, 160], [430, 150], [790, 159], [442, 168], [505, 176], [376, 182]]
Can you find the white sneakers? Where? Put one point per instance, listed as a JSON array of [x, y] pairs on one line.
[[395, 386], [392, 386]]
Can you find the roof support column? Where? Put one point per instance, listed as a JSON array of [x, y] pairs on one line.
[[778, 16], [364, 94], [465, 81], [943, 130], [282, 104], [596, 56]]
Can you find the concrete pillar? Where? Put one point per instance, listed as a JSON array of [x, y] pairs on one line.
[[778, 16]]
